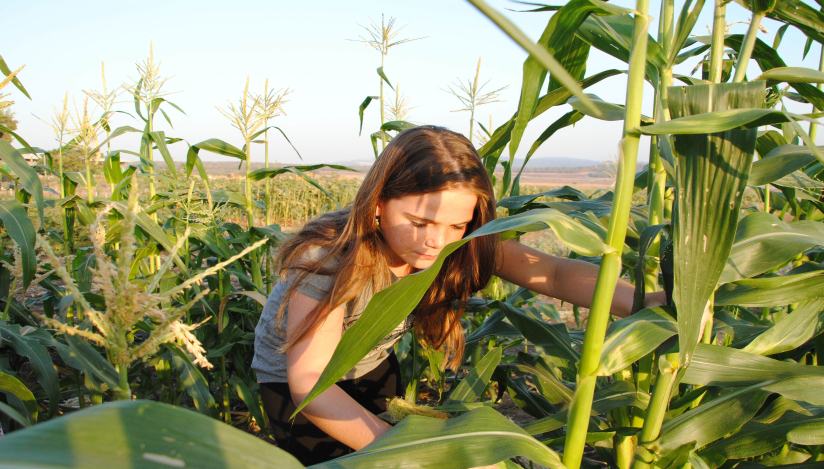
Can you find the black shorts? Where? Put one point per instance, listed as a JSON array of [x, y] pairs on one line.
[[306, 442]]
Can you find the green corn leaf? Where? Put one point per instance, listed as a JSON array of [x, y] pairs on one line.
[[686, 21], [259, 132], [770, 291], [13, 414], [220, 147], [756, 438], [721, 121], [566, 192], [711, 175], [397, 126], [477, 438], [250, 399], [613, 35], [21, 229], [264, 173], [536, 51], [558, 44], [566, 120], [502, 134], [710, 421], [562, 95], [19, 139], [158, 101], [28, 176], [801, 15], [362, 108], [493, 326], [146, 435], [390, 306], [39, 359], [384, 78], [27, 405], [725, 366], [810, 433], [552, 389], [92, 362], [553, 338], [767, 59], [800, 180], [115, 133], [299, 171], [763, 242], [475, 382], [607, 111], [634, 337], [573, 57], [616, 394], [779, 162], [193, 382], [5, 70], [159, 138], [791, 75], [805, 322]]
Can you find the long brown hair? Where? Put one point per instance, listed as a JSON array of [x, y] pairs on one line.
[[417, 161]]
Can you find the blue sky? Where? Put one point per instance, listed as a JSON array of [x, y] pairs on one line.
[[210, 47]]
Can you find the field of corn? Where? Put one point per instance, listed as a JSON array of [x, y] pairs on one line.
[[127, 312]]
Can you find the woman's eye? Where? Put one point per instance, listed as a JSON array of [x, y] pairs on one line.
[[418, 225], [459, 227]]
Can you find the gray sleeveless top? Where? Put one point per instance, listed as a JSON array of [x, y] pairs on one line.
[[270, 364]]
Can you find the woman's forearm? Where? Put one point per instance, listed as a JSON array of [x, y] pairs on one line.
[[341, 417], [574, 282], [569, 280]]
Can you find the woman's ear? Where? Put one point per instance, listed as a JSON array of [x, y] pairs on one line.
[[379, 208]]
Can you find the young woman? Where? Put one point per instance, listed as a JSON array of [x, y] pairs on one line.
[[428, 189]]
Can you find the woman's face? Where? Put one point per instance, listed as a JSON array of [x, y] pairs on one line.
[[417, 227]]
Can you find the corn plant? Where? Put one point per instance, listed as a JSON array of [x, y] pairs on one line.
[[471, 97], [381, 38]]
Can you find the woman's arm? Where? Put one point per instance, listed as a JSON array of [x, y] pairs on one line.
[[333, 411], [569, 280]]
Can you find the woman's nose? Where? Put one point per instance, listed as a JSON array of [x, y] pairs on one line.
[[435, 238]]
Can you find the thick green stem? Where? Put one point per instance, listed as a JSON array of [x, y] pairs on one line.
[[643, 379], [719, 30], [667, 365], [624, 444], [579, 412], [124, 392], [747, 47]]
